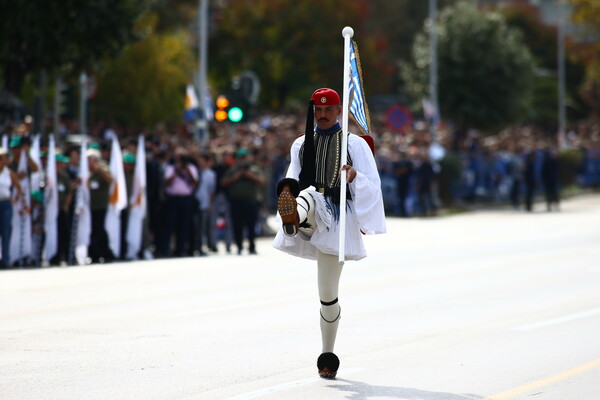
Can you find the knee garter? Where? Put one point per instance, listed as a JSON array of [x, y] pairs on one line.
[[330, 303]]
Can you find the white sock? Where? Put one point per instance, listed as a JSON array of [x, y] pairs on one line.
[[329, 272]]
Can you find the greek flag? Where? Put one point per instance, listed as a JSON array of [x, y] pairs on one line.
[[358, 106]]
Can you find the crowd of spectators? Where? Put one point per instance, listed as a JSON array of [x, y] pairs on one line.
[[193, 182]]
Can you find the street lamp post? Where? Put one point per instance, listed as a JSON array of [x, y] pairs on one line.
[[433, 78], [83, 103], [561, 75], [201, 122]]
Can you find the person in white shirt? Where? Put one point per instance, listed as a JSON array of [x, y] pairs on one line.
[[205, 194], [8, 182]]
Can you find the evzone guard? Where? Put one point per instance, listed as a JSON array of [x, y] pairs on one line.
[[309, 208]]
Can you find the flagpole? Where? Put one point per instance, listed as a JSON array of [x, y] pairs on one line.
[[347, 33], [201, 122], [433, 70]]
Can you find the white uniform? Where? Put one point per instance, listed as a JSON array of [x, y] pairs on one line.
[[364, 213]]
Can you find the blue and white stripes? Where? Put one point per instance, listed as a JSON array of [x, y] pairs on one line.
[[358, 107]]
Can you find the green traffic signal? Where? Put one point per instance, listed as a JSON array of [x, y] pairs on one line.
[[235, 114]]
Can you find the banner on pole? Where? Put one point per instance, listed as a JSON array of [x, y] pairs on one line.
[[358, 105], [117, 200]]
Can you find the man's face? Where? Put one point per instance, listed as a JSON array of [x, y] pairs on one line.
[[74, 155], [326, 116], [93, 163]]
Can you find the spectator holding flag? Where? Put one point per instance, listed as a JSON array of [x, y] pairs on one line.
[[64, 188], [8, 181], [99, 185]]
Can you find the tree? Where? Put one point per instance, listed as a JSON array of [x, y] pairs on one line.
[[586, 13], [146, 83], [485, 70], [541, 39], [46, 35], [294, 48], [394, 24]]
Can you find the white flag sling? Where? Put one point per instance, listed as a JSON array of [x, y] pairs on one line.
[[20, 240], [51, 204], [137, 200], [117, 200], [34, 154], [83, 226]]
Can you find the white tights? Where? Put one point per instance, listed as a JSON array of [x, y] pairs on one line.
[[329, 273]]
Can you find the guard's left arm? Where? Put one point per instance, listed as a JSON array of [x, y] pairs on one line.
[[365, 187], [350, 172]]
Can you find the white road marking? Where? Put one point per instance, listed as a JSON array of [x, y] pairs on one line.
[[285, 386], [558, 320]]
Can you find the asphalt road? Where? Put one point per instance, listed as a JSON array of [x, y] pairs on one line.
[[487, 305]]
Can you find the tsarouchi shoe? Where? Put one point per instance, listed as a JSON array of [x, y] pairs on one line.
[[328, 364], [287, 191]]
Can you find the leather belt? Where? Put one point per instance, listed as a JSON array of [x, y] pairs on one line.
[[334, 193]]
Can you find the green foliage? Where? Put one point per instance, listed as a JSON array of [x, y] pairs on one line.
[[539, 36], [545, 101], [176, 15], [586, 13], [51, 34], [293, 48], [146, 84], [485, 70], [541, 39]]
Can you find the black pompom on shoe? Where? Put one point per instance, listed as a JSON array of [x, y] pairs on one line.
[[293, 184], [328, 364]]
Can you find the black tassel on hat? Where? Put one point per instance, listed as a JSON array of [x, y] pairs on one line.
[[307, 174]]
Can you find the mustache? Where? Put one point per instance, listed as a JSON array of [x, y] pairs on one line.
[[323, 119]]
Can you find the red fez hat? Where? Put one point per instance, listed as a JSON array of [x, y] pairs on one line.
[[326, 97]]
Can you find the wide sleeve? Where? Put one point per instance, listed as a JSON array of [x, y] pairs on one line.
[[365, 189], [295, 167]]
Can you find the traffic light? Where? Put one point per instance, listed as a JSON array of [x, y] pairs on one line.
[[64, 101], [227, 111], [235, 114], [222, 106]]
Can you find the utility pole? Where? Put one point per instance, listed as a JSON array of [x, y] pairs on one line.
[[56, 117], [433, 70], [201, 122], [83, 103], [561, 75], [39, 116]]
